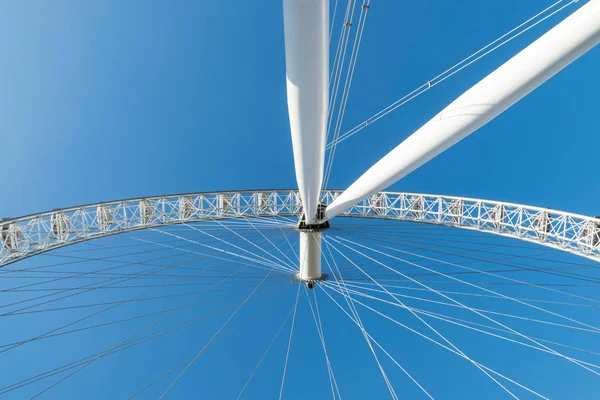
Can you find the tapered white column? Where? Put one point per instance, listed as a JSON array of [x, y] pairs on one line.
[[483, 102], [310, 256], [306, 25]]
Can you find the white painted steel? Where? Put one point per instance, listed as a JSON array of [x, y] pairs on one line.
[[38, 233], [563, 44], [310, 256], [306, 26]]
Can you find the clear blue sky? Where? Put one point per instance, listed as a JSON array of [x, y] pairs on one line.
[[109, 100]]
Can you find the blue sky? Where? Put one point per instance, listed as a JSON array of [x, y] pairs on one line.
[[109, 100]]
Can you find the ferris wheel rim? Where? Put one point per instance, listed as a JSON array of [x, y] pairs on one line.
[[574, 233]]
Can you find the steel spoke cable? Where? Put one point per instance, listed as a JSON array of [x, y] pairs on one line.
[[89, 305], [95, 274], [497, 271], [264, 260], [373, 297], [479, 238], [219, 339], [353, 284], [401, 227], [61, 251], [6, 270], [360, 324], [228, 307], [354, 311], [439, 344], [257, 259], [345, 91], [473, 270], [266, 352], [124, 235], [338, 63], [478, 287], [112, 307], [333, 19], [228, 289], [125, 341], [494, 283], [98, 275], [362, 19], [451, 319], [378, 345], [233, 221], [89, 316], [429, 326], [141, 340], [405, 239], [189, 365], [340, 282], [104, 259], [464, 325], [453, 70], [291, 263], [80, 274], [258, 247], [289, 346], [129, 318], [504, 256], [431, 234], [319, 333], [253, 262], [90, 287], [237, 221], [108, 288], [491, 260], [459, 253], [291, 247], [452, 350], [443, 238], [358, 293], [270, 220], [81, 290], [269, 266], [346, 25], [423, 321], [241, 222], [500, 295], [481, 314], [319, 326]]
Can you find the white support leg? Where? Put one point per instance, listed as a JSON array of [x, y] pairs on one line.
[[562, 45]]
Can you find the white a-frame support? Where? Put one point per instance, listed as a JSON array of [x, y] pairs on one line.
[[562, 45]]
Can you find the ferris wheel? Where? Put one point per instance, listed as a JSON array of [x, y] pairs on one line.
[[314, 292]]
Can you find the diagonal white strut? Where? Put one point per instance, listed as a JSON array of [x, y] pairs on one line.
[[483, 102], [306, 26]]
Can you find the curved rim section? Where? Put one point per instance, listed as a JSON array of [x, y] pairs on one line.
[[33, 234]]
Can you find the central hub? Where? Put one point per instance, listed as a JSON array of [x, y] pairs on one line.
[[319, 226], [310, 283], [310, 248]]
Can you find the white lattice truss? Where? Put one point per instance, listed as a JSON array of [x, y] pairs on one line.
[[37, 233]]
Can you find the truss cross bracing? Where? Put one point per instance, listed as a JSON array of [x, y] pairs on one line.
[[37, 233]]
